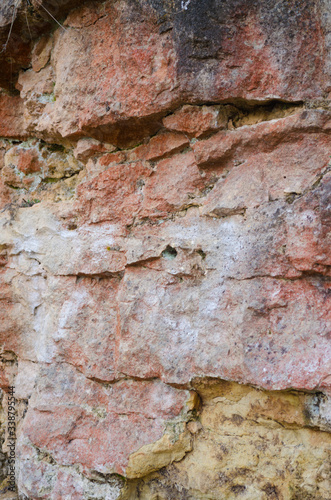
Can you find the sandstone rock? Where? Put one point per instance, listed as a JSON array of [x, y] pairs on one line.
[[165, 248], [40, 477], [246, 350], [111, 102], [165, 144], [262, 137], [181, 263], [120, 111], [255, 454], [41, 53], [114, 195], [157, 455], [38, 88], [8, 369], [31, 164], [309, 226], [252, 168], [196, 121], [173, 186], [11, 122], [20, 24], [89, 425], [87, 148]]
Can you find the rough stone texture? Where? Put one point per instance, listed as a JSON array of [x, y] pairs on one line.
[[165, 185], [246, 446]]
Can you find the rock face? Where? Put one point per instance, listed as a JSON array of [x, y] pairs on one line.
[[165, 186]]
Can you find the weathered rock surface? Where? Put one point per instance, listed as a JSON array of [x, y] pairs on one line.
[[246, 446], [165, 185]]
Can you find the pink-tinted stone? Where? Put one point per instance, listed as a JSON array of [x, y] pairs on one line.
[[192, 242], [110, 159], [114, 195], [87, 148], [162, 145], [261, 346], [78, 421], [165, 144], [196, 120], [118, 91], [309, 230], [263, 137], [253, 173], [28, 161], [37, 89], [11, 116], [133, 53], [172, 186], [84, 323]]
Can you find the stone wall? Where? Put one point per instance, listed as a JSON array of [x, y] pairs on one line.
[[165, 184]]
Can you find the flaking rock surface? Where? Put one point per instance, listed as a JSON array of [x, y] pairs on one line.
[[165, 187]]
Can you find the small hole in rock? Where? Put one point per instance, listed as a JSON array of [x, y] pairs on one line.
[[237, 489], [202, 254], [169, 253]]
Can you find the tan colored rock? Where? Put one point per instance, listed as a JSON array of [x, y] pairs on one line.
[[194, 427], [37, 88], [31, 164], [41, 53], [252, 445], [157, 455]]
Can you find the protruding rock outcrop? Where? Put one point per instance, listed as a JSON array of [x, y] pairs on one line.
[[165, 249]]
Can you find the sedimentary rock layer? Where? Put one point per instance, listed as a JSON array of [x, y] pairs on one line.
[[165, 186]]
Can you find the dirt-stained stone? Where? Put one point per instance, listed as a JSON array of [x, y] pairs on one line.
[[247, 447], [165, 226]]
